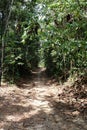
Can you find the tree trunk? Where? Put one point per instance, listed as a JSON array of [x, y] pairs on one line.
[[3, 43]]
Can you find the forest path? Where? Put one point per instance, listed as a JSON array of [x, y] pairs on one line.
[[35, 105]]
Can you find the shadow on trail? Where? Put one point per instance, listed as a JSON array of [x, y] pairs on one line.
[[34, 80], [69, 114], [31, 106], [56, 119]]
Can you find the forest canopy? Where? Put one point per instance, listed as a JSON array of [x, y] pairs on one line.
[[52, 31]]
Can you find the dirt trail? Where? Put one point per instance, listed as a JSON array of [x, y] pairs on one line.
[[35, 105]]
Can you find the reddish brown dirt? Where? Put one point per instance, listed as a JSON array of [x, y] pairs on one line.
[[39, 104]]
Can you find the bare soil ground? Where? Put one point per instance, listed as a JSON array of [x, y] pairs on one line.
[[41, 103]]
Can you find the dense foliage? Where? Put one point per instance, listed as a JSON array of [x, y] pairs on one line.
[[21, 39], [56, 28], [65, 37]]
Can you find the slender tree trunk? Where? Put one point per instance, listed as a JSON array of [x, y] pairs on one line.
[[3, 44], [0, 62], [1, 53], [2, 58]]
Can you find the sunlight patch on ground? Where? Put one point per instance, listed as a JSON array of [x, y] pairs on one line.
[[1, 125], [35, 104], [15, 117]]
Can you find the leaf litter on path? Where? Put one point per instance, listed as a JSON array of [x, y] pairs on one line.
[[41, 104]]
